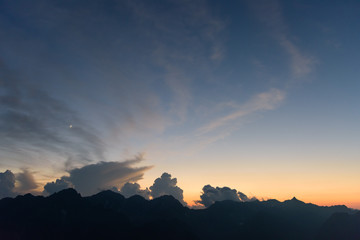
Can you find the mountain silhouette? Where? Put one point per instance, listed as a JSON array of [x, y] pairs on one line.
[[109, 215], [341, 226]]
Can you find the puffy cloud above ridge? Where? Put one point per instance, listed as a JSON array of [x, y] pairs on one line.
[[211, 195], [26, 182], [131, 189], [165, 185], [14, 184], [93, 178], [7, 184], [58, 185]]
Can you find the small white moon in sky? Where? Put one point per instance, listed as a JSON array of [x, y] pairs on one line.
[[70, 126]]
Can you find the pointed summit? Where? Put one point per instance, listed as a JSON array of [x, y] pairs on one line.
[[294, 199], [294, 202]]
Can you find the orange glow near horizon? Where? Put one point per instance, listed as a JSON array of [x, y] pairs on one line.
[[320, 190], [190, 199], [322, 193]]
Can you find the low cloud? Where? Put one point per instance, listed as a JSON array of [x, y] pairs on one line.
[[7, 184], [165, 185], [93, 178], [25, 182], [58, 185], [211, 195], [131, 189], [245, 198], [14, 184]]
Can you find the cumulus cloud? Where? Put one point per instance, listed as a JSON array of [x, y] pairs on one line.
[[7, 184], [20, 183], [245, 198], [26, 182], [103, 175], [165, 185], [58, 185], [130, 189], [211, 195]]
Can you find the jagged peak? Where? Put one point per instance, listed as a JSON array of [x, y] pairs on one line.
[[294, 200]]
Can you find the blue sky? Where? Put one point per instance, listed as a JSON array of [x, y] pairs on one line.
[[257, 95]]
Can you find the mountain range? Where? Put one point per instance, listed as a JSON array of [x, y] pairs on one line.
[[109, 215]]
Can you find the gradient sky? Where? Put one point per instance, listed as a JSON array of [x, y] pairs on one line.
[[261, 96]]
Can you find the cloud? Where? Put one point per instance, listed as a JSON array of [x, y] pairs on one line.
[[58, 185], [26, 182], [260, 102], [130, 189], [135, 89], [93, 178], [7, 184], [31, 121], [120, 98], [301, 65], [270, 13], [179, 54], [165, 185], [14, 184], [210, 195], [245, 198]]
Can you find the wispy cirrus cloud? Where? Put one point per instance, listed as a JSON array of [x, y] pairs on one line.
[[220, 127], [270, 13], [261, 102], [186, 40], [301, 64], [32, 120]]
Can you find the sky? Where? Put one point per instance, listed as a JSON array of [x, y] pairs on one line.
[[259, 96]]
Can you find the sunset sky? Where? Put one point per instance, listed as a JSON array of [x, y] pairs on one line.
[[259, 96]]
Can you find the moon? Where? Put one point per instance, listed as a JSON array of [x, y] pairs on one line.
[[70, 126]]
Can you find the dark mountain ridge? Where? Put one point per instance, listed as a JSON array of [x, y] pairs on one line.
[[68, 215]]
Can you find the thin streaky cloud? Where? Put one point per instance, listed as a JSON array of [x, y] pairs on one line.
[[221, 127], [270, 12], [261, 102], [301, 65], [190, 54]]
